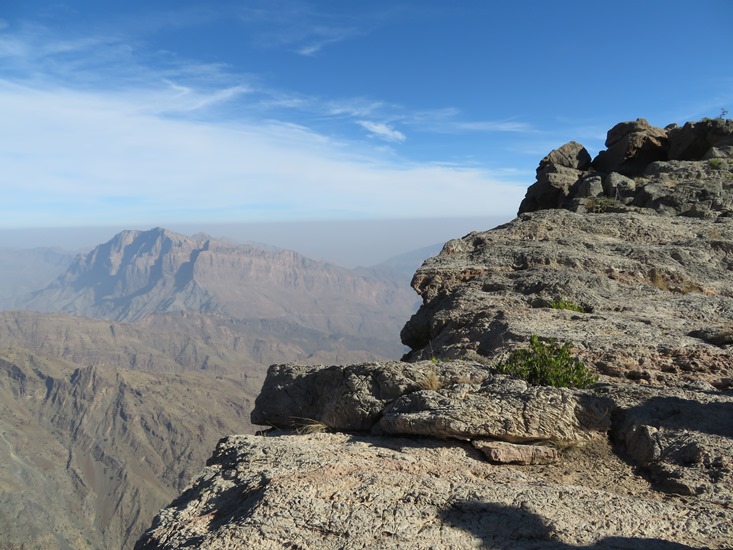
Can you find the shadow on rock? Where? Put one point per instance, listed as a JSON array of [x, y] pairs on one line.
[[508, 527], [714, 418]]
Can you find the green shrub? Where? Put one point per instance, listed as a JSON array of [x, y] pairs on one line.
[[548, 364], [600, 205], [567, 304]]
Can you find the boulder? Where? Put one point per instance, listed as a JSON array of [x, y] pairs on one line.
[[631, 146], [693, 140], [351, 397], [502, 408], [557, 173]]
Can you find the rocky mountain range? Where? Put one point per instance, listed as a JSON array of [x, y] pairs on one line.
[[140, 273], [120, 375], [628, 260]]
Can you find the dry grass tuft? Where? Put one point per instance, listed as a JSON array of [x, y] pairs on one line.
[[308, 426], [431, 381]]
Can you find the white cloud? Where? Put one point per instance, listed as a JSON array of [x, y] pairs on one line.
[[77, 158], [382, 131]]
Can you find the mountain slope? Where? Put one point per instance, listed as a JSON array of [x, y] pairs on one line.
[[139, 273], [90, 454]]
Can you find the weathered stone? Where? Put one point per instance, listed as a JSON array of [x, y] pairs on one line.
[[616, 185], [349, 398], [337, 491], [694, 139], [645, 283], [590, 186], [570, 155], [502, 452], [501, 408], [631, 147], [696, 181], [556, 174], [682, 437]]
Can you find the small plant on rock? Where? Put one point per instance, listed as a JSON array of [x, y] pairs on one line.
[[567, 304], [599, 205], [431, 381], [548, 364]]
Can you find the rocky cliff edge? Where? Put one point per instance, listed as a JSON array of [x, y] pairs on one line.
[[628, 256]]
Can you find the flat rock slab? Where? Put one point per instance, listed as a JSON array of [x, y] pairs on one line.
[[501, 452], [502, 408], [339, 491]]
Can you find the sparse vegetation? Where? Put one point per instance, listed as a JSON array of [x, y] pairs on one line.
[[308, 426], [716, 163], [548, 364], [673, 283], [564, 303], [431, 381], [599, 205]]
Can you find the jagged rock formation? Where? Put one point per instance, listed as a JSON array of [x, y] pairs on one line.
[[141, 273], [677, 170], [649, 262], [637, 273]]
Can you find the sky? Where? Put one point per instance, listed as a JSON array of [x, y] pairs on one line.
[[188, 113]]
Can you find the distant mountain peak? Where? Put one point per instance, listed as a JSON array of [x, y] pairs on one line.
[[140, 273]]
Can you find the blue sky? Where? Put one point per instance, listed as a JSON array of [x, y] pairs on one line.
[[144, 113]]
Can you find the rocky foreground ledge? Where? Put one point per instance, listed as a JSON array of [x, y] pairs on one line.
[[629, 256]]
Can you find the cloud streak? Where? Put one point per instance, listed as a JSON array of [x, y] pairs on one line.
[[84, 158], [382, 131]]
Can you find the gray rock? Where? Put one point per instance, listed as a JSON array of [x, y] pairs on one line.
[[349, 398], [645, 282], [694, 139], [682, 437], [338, 491], [590, 186], [501, 408], [675, 171]]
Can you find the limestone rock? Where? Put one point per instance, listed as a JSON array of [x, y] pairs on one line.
[[502, 408], [339, 491], [352, 397], [556, 174], [693, 140], [509, 453], [682, 437], [646, 284]]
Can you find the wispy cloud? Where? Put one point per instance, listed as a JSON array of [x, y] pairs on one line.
[[70, 155], [382, 131], [298, 26]]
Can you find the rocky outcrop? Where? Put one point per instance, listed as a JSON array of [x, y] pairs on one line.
[[344, 491], [676, 170], [456, 399], [655, 294], [629, 257]]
